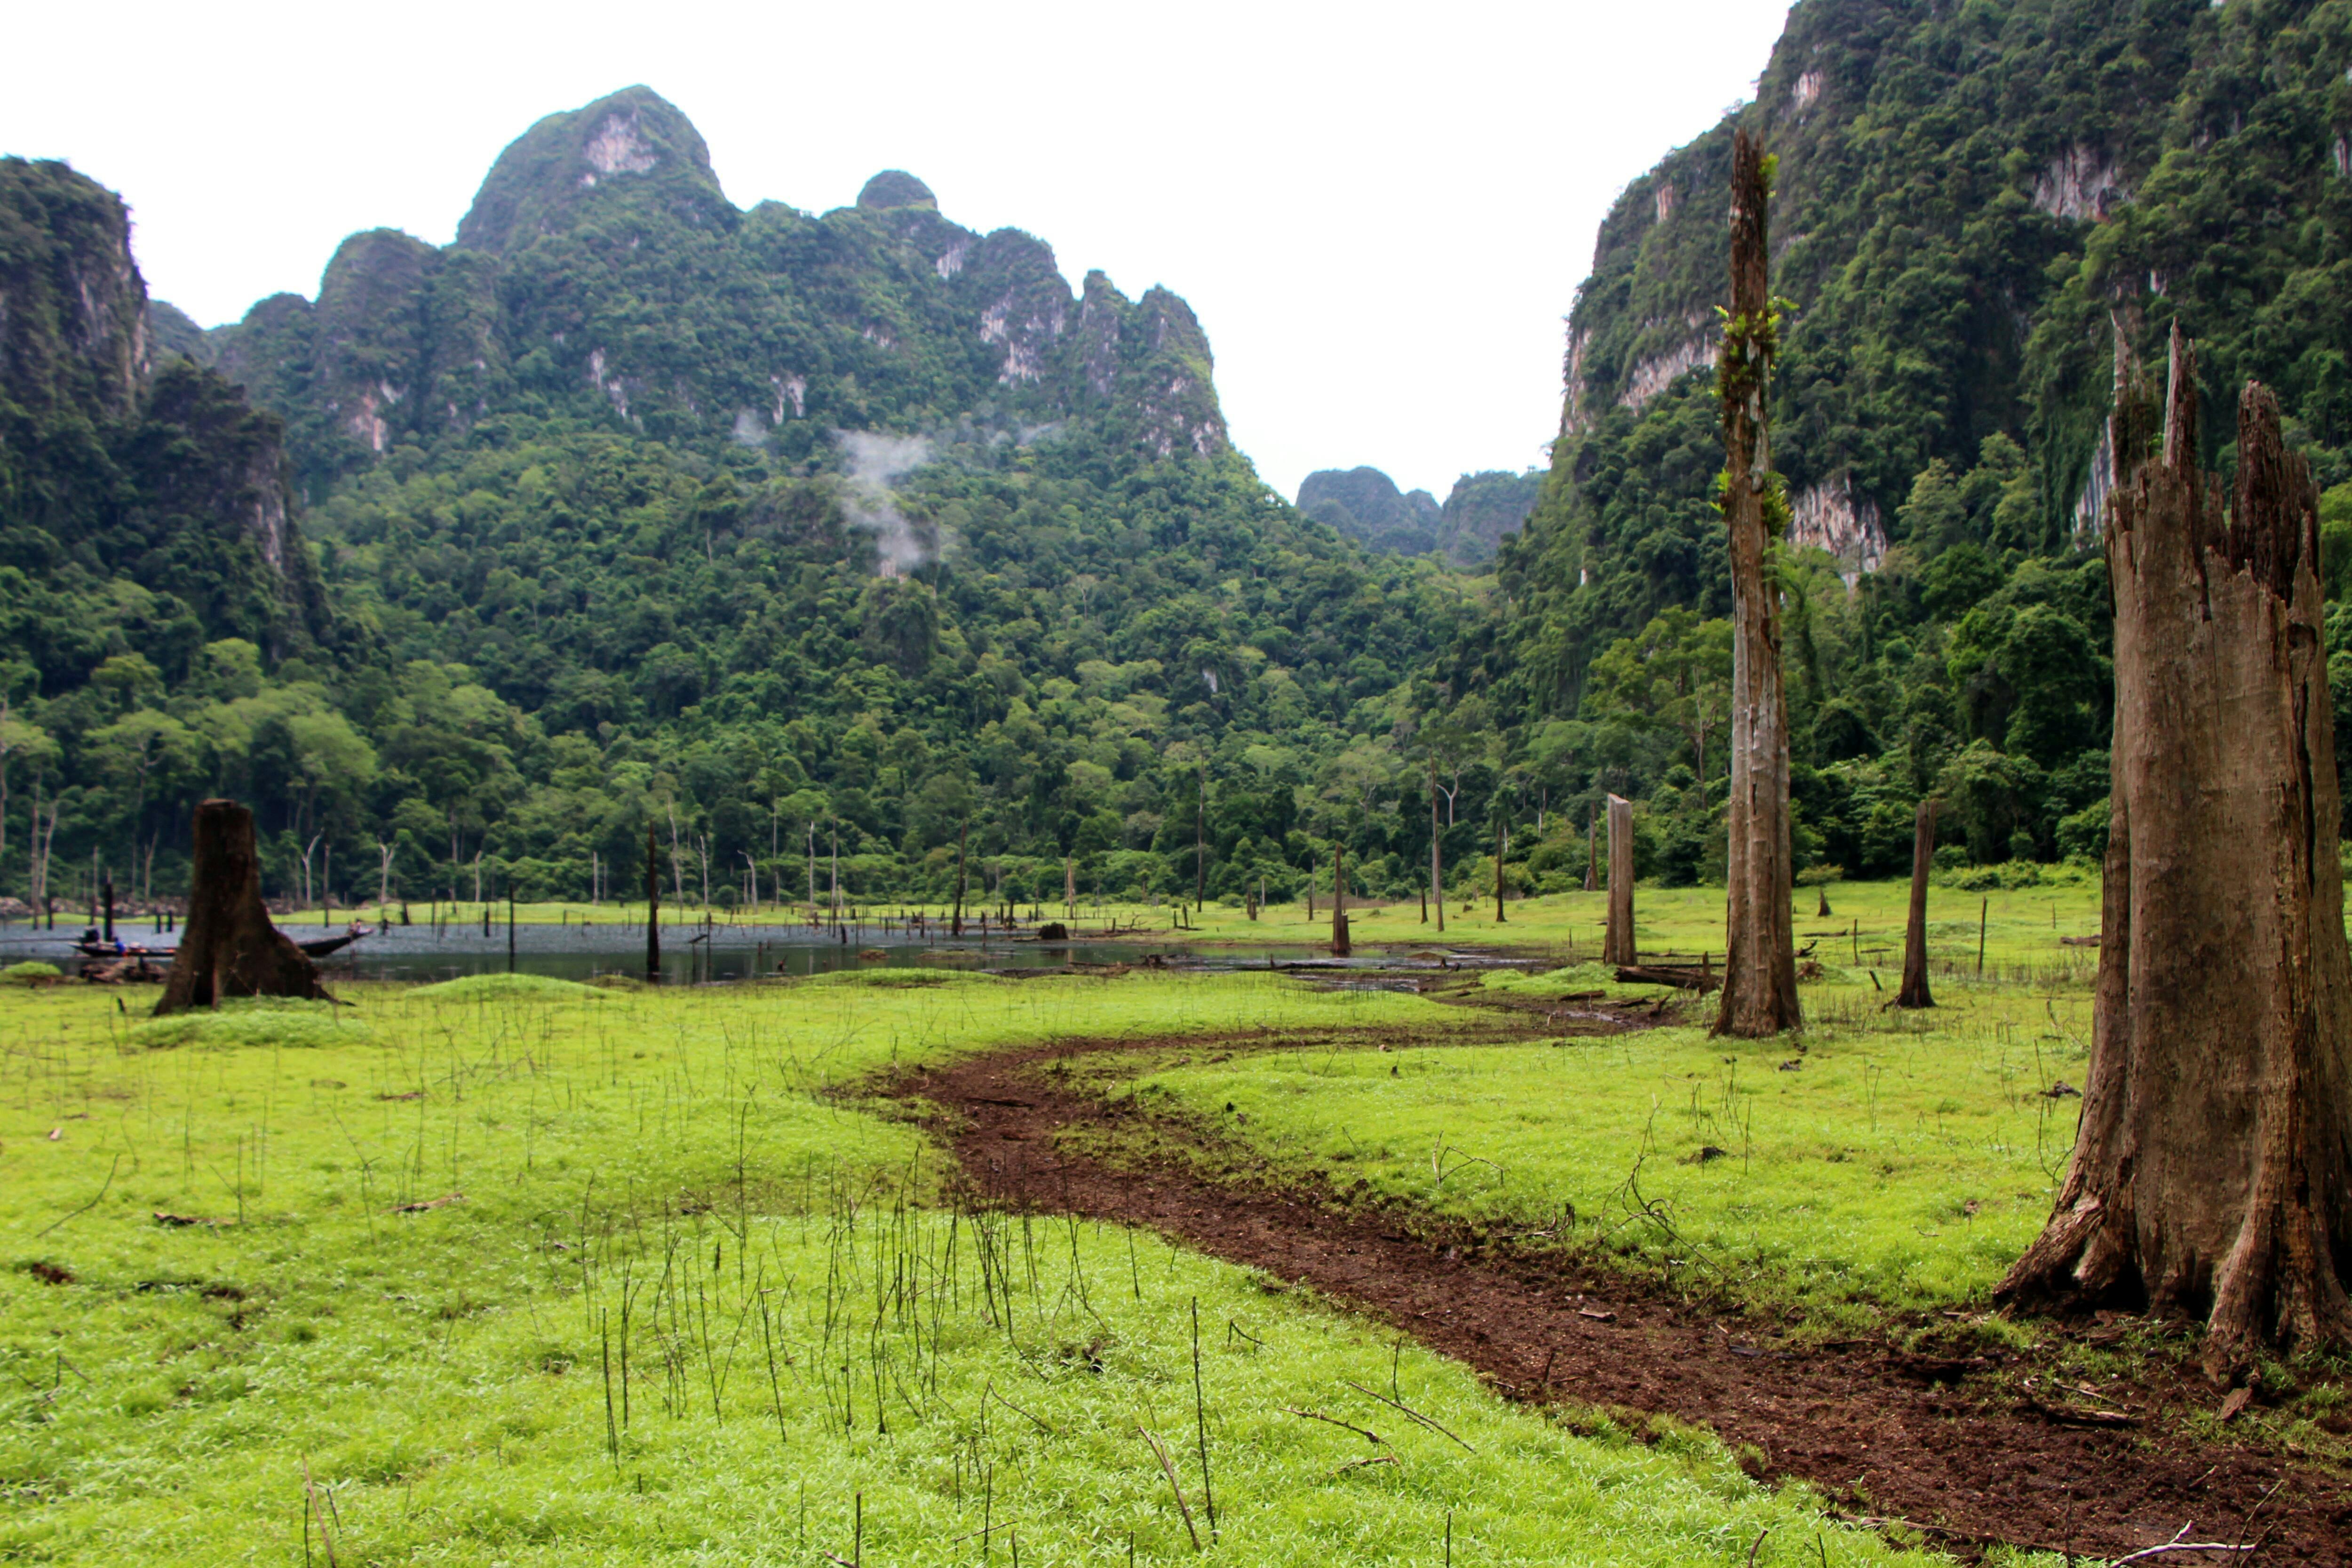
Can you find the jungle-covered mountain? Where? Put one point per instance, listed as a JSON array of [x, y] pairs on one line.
[[634, 506], [1971, 201], [1365, 505]]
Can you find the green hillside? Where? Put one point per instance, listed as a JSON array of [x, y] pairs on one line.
[[634, 506]]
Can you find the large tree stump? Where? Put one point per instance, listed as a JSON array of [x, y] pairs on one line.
[[1759, 961], [1915, 991], [1340, 944], [1617, 944], [2212, 1167], [228, 946]]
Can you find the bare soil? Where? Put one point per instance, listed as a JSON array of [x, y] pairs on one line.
[[1970, 1450]]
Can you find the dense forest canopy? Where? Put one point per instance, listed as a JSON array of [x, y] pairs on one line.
[[763, 526]]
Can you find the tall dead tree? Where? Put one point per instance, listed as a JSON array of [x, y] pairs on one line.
[[229, 947], [2212, 1167], [1915, 991], [1436, 863], [653, 902], [1340, 945], [1759, 963], [1617, 944]]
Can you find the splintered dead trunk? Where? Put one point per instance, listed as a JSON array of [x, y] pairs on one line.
[[2212, 1166], [1617, 944], [229, 948], [1070, 884], [1340, 946], [1759, 963], [1915, 991]]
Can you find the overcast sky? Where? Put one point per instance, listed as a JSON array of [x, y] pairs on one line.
[[1381, 213]]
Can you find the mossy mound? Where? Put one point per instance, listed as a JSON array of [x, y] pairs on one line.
[[278, 1022], [508, 988], [33, 971]]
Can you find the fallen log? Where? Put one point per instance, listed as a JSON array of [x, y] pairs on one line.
[[1682, 977]]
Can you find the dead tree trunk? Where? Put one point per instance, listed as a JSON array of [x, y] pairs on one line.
[[1340, 946], [955, 926], [1759, 964], [1915, 991], [1436, 861], [653, 905], [229, 947], [1617, 944], [2212, 1167]]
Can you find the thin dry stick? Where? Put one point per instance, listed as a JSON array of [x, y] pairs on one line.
[[1201, 1422], [1408, 1411], [89, 1206], [1159, 1452], [1368, 1436], [2178, 1544], [310, 1496]]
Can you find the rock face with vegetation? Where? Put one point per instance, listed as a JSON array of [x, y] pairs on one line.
[[1366, 505], [1970, 201], [632, 505]]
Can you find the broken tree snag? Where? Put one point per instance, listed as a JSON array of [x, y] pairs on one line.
[[229, 947], [653, 904], [2212, 1166], [1617, 944], [1915, 991], [1340, 946], [1759, 963]]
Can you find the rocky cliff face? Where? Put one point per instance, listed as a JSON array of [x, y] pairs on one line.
[[602, 274], [121, 465]]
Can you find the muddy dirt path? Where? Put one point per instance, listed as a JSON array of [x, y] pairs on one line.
[[1962, 1449]]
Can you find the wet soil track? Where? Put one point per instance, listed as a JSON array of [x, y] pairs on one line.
[[1956, 1448]]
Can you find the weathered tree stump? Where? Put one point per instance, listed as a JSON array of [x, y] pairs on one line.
[[1915, 991], [1341, 947], [1759, 961], [1617, 942], [2212, 1166], [229, 947]]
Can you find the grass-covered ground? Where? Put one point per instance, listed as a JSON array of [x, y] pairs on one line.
[[692, 1307]]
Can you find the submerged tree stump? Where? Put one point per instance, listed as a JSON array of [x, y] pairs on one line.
[[1617, 942], [1759, 961], [228, 946], [2212, 1167], [1915, 991]]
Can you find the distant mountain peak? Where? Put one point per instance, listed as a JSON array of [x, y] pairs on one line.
[[631, 137], [896, 188]]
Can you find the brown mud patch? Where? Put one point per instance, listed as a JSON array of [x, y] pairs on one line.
[[1970, 1450]]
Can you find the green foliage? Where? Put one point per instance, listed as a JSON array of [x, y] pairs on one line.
[[32, 972], [1966, 197]]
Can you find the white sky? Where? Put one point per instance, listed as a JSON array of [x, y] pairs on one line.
[[1380, 212]]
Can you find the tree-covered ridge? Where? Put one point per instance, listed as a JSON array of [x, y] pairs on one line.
[[602, 276], [1365, 505], [1971, 202], [633, 508]]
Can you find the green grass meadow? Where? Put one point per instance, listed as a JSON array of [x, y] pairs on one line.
[[693, 1306]]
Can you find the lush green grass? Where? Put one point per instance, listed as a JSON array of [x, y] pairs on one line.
[[1877, 1159], [1896, 1160], [667, 1172]]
